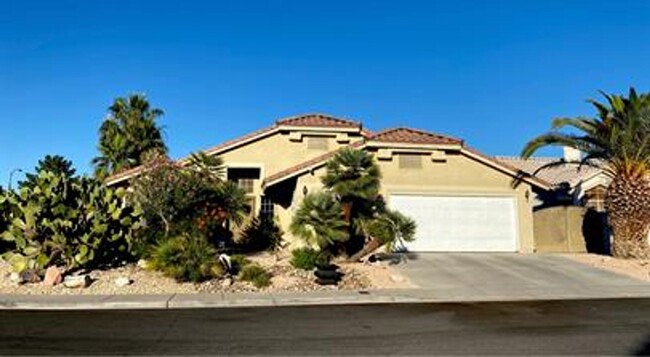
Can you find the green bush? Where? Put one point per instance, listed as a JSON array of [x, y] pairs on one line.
[[175, 199], [261, 234], [188, 257], [74, 222], [238, 262], [308, 258], [255, 274]]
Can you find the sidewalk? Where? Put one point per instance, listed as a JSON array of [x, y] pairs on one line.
[[394, 296]]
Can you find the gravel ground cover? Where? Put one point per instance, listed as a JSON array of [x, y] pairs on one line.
[[357, 276]]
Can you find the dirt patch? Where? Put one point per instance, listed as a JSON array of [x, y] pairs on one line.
[[636, 268], [285, 278]]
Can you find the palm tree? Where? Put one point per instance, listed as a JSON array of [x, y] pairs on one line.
[[319, 220], [52, 163], [389, 228], [127, 134], [618, 141], [353, 176]]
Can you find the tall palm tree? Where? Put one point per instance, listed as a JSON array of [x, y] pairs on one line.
[[319, 220], [353, 176], [618, 141], [129, 132]]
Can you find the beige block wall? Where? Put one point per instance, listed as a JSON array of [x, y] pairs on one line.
[[459, 175], [559, 230]]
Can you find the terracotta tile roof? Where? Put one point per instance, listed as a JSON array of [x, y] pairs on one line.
[[239, 140], [318, 120], [308, 164], [414, 136], [570, 173]]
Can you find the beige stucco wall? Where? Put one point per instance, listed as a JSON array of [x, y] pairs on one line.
[[459, 175], [277, 152]]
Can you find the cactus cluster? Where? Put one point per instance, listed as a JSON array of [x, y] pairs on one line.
[[72, 222]]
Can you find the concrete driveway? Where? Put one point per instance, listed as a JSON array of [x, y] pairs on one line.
[[471, 276]]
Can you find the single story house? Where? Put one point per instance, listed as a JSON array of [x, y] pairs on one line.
[[461, 199]]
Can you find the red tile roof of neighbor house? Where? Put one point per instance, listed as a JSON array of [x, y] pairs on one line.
[[569, 173], [413, 136]]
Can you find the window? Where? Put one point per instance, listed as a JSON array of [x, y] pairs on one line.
[[266, 208], [408, 161], [317, 143], [246, 184]]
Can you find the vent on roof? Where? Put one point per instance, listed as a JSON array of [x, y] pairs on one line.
[[317, 143], [410, 161]]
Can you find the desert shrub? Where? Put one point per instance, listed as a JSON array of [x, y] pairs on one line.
[[187, 257], [256, 275], [261, 234], [6, 209], [175, 199], [307, 258], [238, 262], [73, 222]]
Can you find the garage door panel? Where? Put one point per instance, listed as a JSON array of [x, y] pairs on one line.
[[459, 223]]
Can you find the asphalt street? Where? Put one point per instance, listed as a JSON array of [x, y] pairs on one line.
[[567, 327]]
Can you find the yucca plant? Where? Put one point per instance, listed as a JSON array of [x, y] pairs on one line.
[[319, 220], [618, 141]]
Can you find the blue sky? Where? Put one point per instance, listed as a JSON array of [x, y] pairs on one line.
[[491, 72]]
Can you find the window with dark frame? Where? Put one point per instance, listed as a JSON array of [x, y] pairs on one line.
[[266, 207]]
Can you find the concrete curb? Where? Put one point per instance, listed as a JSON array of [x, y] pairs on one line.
[[333, 298]]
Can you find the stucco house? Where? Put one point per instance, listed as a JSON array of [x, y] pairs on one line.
[[461, 199]]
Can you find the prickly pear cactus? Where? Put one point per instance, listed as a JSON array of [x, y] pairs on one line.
[[74, 222]]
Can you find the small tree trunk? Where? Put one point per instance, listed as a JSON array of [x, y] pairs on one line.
[[368, 248]]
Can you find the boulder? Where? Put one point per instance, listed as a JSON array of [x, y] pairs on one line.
[[143, 264], [53, 276], [123, 281], [78, 281], [29, 276]]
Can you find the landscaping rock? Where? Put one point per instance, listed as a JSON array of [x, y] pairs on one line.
[[79, 281], [16, 278], [53, 276], [123, 281], [29, 276], [143, 264]]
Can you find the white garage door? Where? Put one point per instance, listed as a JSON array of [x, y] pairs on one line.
[[460, 224]]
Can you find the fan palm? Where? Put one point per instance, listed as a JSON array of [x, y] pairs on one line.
[[129, 132], [618, 141], [353, 176], [319, 220]]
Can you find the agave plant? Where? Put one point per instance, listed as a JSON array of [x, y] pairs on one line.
[[618, 141]]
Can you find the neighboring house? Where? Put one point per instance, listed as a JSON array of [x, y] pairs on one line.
[[571, 183], [462, 200]]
